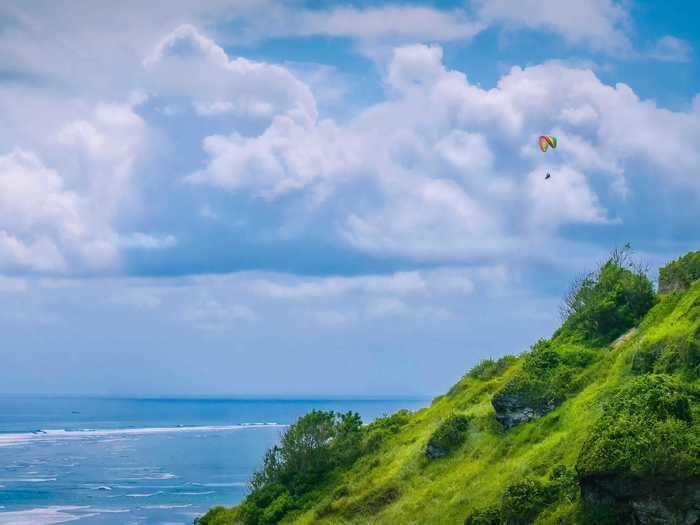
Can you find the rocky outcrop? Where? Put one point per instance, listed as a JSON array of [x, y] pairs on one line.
[[435, 452], [680, 274], [513, 409], [646, 501], [677, 284]]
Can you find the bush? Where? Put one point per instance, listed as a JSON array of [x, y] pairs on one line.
[[451, 433], [647, 429], [216, 516], [681, 273], [603, 305], [485, 516], [523, 501], [310, 449], [488, 368]]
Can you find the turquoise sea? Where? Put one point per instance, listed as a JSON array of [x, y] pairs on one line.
[[113, 461]]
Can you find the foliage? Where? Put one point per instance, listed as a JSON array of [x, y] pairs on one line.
[[647, 428], [605, 304], [488, 368], [550, 372], [682, 272], [614, 421], [308, 451], [524, 500], [382, 427], [451, 433]]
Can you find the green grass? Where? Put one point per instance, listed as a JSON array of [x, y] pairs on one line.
[[492, 472]]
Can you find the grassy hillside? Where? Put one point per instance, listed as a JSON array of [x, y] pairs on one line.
[[599, 424]]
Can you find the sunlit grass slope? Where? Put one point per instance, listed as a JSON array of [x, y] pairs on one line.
[[531, 472]]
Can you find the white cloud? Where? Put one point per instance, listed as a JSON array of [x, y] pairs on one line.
[[671, 49], [427, 161], [435, 281], [318, 288], [392, 21], [60, 217], [598, 23], [148, 242], [564, 198], [388, 307], [185, 62]]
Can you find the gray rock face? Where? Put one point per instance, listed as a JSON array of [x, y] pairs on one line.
[[646, 501], [512, 410], [672, 285], [434, 452]]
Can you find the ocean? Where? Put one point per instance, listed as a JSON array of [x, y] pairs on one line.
[[113, 461]]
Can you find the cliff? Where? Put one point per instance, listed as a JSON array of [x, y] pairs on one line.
[[598, 424]]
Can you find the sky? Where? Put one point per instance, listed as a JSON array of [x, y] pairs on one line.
[[288, 198]]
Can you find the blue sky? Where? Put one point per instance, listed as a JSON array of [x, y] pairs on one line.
[[315, 198]]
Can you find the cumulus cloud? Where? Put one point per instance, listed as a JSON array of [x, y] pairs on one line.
[[39, 218], [59, 215], [565, 198], [186, 62], [445, 163]]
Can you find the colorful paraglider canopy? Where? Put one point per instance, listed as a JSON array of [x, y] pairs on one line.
[[547, 141]]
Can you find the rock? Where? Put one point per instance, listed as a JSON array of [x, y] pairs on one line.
[[512, 409], [435, 452], [680, 274], [646, 501], [672, 285]]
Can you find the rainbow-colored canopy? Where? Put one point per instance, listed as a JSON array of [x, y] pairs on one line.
[[547, 141]]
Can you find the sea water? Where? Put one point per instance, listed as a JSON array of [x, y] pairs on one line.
[[140, 461]]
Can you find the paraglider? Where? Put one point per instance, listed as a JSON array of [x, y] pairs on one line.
[[546, 142]]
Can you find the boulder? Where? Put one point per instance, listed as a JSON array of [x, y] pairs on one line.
[[513, 409], [646, 500]]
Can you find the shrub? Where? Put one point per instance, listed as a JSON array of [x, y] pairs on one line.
[[647, 428], [488, 368], [603, 305], [216, 516], [310, 449], [523, 501], [680, 354], [451, 433], [485, 516]]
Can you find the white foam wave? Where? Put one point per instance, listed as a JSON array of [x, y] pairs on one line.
[[145, 495], [44, 516], [27, 480], [52, 434], [167, 507], [204, 493], [228, 484]]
